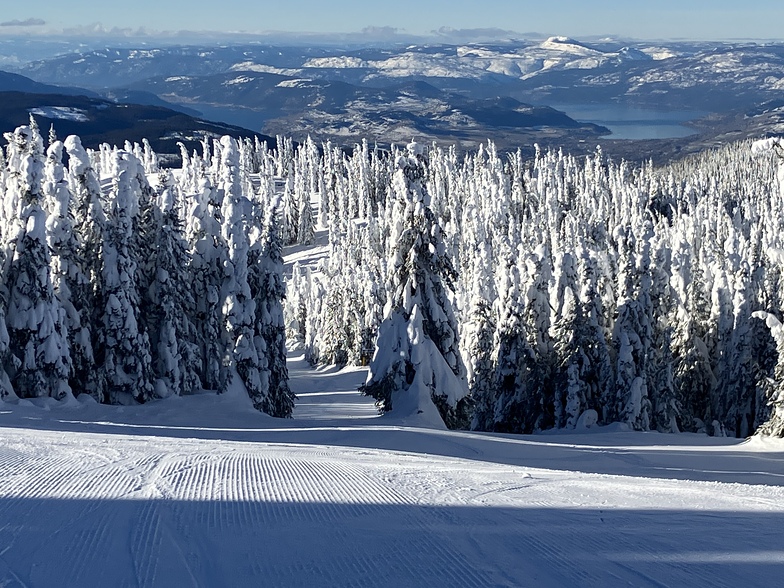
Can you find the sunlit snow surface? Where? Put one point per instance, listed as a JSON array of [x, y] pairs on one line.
[[205, 491]]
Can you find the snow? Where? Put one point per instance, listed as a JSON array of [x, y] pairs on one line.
[[203, 490], [61, 113], [238, 81], [296, 83], [340, 62], [767, 145], [261, 68]]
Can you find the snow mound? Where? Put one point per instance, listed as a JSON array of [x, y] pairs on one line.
[[587, 419]]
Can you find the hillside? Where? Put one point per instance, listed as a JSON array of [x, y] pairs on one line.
[[537, 332], [97, 120]]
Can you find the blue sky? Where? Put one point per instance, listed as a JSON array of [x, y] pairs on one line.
[[695, 19]]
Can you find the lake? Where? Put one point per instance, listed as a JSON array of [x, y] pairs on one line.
[[241, 117], [627, 122]]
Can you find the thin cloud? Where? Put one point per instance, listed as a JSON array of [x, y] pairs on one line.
[[477, 35], [29, 22], [381, 31]]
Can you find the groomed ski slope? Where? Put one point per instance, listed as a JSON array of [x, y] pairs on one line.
[[204, 491]]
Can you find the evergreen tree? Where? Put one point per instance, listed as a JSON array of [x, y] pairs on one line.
[[36, 319], [509, 411], [176, 360], [127, 357], [596, 372], [239, 307], [570, 333], [68, 277], [86, 294], [774, 426], [268, 290], [417, 363], [632, 338]]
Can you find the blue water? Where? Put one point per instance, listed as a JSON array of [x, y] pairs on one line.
[[627, 122], [241, 117]]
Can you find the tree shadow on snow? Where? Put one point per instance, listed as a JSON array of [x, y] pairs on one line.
[[88, 542]]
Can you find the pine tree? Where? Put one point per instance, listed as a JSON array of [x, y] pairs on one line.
[[209, 255], [36, 319], [86, 294], [666, 406], [570, 333], [268, 290], [632, 339], [417, 363], [8, 362], [509, 411], [239, 307], [480, 332], [68, 277], [176, 358], [774, 426], [596, 372], [127, 358], [693, 377]]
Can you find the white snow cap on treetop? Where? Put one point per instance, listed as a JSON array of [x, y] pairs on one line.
[[415, 149], [79, 161], [767, 145], [20, 134]]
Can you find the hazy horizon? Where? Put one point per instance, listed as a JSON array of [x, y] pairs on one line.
[[459, 20]]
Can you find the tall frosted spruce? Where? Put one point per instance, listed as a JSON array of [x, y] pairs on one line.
[[126, 368], [265, 277], [86, 292], [36, 319], [417, 365]]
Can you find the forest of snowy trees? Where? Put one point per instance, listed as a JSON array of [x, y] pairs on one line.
[[552, 293], [128, 282], [495, 292]]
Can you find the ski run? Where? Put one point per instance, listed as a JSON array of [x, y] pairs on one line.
[[120, 465], [206, 491]]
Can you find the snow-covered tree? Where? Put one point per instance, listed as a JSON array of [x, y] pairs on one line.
[[417, 366], [774, 426], [127, 358], [36, 319], [176, 359], [265, 277], [86, 294]]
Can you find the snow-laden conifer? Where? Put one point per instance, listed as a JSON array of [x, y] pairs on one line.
[[36, 320], [69, 279], [417, 363], [86, 292], [176, 359], [265, 277], [774, 426], [126, 366], [238, 305], [208, 258], [632, 333]]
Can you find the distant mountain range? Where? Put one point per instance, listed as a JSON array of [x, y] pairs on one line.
[[454, 93]]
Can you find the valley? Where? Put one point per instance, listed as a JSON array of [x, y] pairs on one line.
[[639, 100]]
